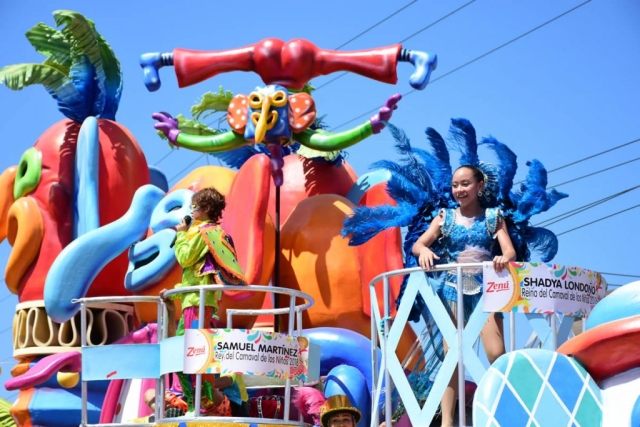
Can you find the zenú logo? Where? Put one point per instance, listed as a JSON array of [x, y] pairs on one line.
[[497, 286]]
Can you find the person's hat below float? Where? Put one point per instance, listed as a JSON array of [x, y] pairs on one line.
[[337, 411]]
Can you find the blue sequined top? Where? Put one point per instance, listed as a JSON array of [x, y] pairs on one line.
[[473, 239], [456, 237]]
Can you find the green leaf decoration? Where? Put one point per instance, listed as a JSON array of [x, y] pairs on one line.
[[192, 127], [6, 420], [19, 76], [52, 44], [310, 153], [307, 88], [211, 103], [84, 42], [80, 70], [54, 64], [113, 78], [59, 86]]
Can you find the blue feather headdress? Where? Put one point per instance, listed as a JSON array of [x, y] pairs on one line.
[[420, 184]]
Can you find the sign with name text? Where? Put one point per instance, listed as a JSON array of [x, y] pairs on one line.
[[245, 351], [528, 287]]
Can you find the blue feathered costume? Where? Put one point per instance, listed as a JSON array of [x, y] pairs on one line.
[[421, 186]]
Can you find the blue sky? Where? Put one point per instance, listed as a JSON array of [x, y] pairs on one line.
[[559, 93]]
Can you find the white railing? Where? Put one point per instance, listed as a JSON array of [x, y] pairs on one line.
[[295, 323], [84, 302], [460, 340]]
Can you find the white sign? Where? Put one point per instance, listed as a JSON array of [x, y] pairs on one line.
[[542, 288], [245, 351]]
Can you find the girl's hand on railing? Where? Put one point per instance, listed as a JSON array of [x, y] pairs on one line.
[[427, 258], [500, 263]]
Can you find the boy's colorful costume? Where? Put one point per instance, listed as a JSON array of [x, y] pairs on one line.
[[207, 256], [237, 395]]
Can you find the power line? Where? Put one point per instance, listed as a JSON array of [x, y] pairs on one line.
[[188, 166], [583, 208], [376, 24], [622, 275], [594, 155], [164, 157], [598, 220], [435, 22], [339, 76], [7, 297], [588, 157], [475, 59], [596, 172]]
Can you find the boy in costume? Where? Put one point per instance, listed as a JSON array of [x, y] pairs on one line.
[[207, 256]]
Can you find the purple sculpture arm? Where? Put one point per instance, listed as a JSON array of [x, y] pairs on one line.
[[167, 125], [385, 113]]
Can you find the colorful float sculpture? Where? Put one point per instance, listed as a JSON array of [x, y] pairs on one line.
[[60, 191], [111, 234], [270, 114], [126, 229], [592, 379], [274, 116]]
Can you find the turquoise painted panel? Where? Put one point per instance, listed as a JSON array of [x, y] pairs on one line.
[[114, 362], [171, 351]]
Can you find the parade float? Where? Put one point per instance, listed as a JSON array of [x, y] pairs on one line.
[[92, 229]]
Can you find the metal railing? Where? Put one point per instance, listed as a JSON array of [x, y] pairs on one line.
[[382, 333], [295, 319], [84, 302]]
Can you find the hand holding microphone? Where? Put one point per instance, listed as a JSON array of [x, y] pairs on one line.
[[184, 224]]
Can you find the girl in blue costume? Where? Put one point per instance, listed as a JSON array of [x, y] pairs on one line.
[[468, 234], [471, 215]]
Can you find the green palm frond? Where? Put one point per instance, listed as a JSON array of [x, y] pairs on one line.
[[211, 103], [19, 76], [84, 42], [308, 88], [192, 127], [52, 44], [54, 64], [6, 420], [112, 77], [59, 86], [80, 69], [310, 153]]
